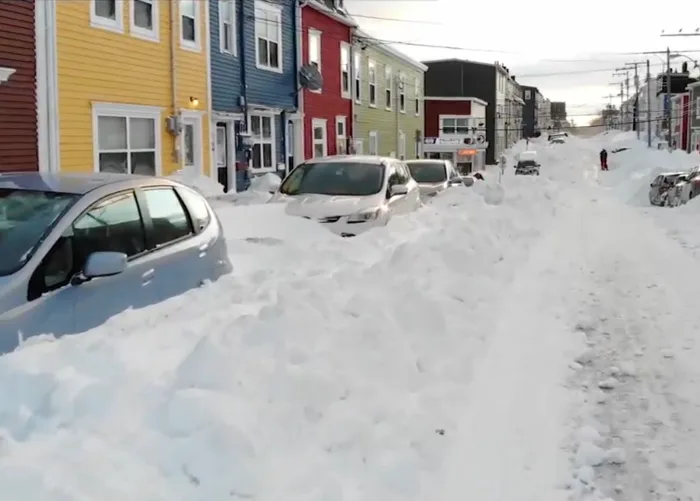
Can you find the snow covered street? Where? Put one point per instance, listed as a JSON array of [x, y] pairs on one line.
[[535, 341]]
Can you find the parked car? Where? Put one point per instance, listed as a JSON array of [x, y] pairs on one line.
[[435, 176], [558, 135], [527, 164], [349, 194], [77, 249], [686, 187], [659, 188]]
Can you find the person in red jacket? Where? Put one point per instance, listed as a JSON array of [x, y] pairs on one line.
[[603, 159]]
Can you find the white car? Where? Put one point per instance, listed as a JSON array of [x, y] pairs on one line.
[[349, 194], [435, 176]]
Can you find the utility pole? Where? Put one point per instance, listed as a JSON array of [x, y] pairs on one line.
[[668, 96], [648, 105], [622, 102], [397, 90], [635, 109], [623, 72]]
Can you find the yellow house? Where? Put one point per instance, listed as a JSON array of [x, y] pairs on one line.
[[126, 85]]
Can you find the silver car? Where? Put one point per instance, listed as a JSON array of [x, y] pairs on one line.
[[349, 194], [77, 249], [435, 176]]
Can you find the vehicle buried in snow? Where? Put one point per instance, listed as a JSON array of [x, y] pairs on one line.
[[435, 176], [660, 187], [77, 249], [527, 164], [685, 188], [349, 194]]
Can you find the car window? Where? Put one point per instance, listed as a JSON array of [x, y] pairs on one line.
[[350, 178], [394, 176], [404, 174], [170, 221], [197, 207]]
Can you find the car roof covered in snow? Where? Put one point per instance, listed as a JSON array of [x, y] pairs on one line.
[[75, 184], [527, 155], [363, 159]]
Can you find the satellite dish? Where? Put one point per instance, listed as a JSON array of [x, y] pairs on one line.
[[310, 78]]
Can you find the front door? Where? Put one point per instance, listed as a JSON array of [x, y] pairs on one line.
[[222, 155], [290, 146]]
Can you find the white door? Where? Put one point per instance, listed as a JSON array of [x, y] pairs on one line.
[[359, 147], [191, 146]]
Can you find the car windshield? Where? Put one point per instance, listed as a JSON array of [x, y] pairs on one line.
[[350, 178], [526, 163], [428, 172], [26, 217]]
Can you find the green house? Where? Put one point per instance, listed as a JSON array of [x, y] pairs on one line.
[[388, 100]]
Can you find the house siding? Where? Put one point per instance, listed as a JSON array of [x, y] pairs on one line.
[[100, 66], [529, 115], [18, 102], [380, 119], [695, 110], [267, 89], [226, 77], [329, 103], [466, 79], [433, 110]]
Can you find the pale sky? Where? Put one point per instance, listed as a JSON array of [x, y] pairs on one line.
[[569, 51]]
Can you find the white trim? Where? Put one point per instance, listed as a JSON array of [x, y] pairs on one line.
[[277, 12], [402, 145], [441, 119], [345, 47], [417, 87], [402, 93], [127, 111], [528, 94], [318, 35], [271, 140], [388, 87], [391, 52], [373, 134], [6, 73], [47, 87], [371, 65], [207, 53], [341, 138], [359, 145], [697, 107], [357, 77], [152, 35], [114, 25], [319, 123], [439, 98], [193, 118], [234, 43], [189, 45]]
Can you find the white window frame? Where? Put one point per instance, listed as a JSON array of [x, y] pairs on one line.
[[341, 119], [697, 107], [277, 12], [196, 45], [402, 93], [528, 95], [359, 145], [441, 119], [194, 119], [115, 25], [345, 49], [261, 140], [388, 87], [402, 145], [127, 111], [234, 42], [357, 67], [319, 123], [152, 35], [418, 96], [317, 35], [372, 82], [373, 141]]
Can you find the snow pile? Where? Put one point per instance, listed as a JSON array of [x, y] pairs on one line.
[[203, 184]]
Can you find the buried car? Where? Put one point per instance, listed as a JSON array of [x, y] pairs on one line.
[[435, 176], [77, 249], [527, 164], [685, 188], [349, 194], [660, 187]]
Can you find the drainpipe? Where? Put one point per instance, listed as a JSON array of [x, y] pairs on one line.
[[353, 90], [173, 76], [244, 61], [300, 62]]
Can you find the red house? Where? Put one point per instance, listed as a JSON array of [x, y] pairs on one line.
[[326, 39], [455, 130], [18, 97], [680, 120]]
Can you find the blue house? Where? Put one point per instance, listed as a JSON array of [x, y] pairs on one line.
[[254, 67]]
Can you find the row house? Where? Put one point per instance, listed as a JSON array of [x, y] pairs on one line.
[[694, 116], [536, 114], [18, 97], [677, 106], [680, 121], [388, 100], [509, 110]]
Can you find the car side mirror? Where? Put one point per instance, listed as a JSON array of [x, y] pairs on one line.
[[104, 264], [398, 189], [456, 181]]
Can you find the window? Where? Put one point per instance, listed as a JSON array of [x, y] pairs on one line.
[[227, 26], [262, 131], [358, 77], [189, 24], [402, 93], [417, 102], [388, 83], [127, 140], [697, 107], [315, 50], [192, 143], [402, 145], [372, 79], [454, 125], [169, 218], [373, 142], [318, 127], [221, 150], [107, 14], [528, 95], [268, 36], [197, 207], [345, 70], [145, 19], [341, 134], [359, 147]]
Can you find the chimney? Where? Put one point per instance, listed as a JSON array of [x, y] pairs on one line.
[[684, 68], [513, 77]]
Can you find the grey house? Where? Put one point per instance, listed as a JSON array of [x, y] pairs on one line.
[[694, 116], [530, 111]]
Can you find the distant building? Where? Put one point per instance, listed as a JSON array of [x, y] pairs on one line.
[[558, 112], [535, 116]]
